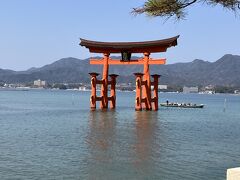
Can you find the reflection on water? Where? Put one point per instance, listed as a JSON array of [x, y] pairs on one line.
[[146, 123], [100, 139], [126, 146], [101, 135]]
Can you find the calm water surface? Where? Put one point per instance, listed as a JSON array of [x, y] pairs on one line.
[[53, 135]]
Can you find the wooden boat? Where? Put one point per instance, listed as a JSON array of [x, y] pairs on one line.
[[182, 105]]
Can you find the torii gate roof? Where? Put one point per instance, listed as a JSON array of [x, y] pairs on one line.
[[132, 47]]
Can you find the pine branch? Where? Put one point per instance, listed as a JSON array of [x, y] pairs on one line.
[[170, 8]]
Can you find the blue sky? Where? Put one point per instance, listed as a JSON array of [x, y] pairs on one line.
[[38, 32]]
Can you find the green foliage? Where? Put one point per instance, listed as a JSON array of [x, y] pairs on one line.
[[224, 89], [2, 84], [177, 8], [60, 86]]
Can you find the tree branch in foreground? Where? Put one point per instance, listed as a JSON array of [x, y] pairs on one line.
[[177, 8]]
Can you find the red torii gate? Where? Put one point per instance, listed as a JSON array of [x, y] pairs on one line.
[[144, 99]]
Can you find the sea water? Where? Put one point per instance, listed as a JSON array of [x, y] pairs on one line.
[[52, 134]]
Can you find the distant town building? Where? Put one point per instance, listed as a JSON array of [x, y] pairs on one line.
[[10, 85], [39, 83], [190, 89], [162, 87], [82, 88], [209, 92], [209, 87], [236, 92]]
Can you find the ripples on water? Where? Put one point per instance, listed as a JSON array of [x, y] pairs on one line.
[[53, 135]]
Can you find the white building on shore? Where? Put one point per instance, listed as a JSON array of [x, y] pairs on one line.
[[161, 87], [236, 92], [39, 83], [190, 89]]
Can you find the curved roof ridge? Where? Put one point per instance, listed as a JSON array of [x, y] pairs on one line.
[[116, 47]]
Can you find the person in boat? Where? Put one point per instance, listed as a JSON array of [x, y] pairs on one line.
[[167, 102]]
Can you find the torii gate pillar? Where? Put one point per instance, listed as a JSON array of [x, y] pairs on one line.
[[146, 89], [104, 89]]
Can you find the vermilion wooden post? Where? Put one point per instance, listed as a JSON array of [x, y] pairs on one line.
[[138, 100], [104, 89], [155, 91], [113, 90], [93, 92], [146, 89]]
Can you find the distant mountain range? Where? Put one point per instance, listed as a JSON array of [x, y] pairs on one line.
[[225, 71]]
